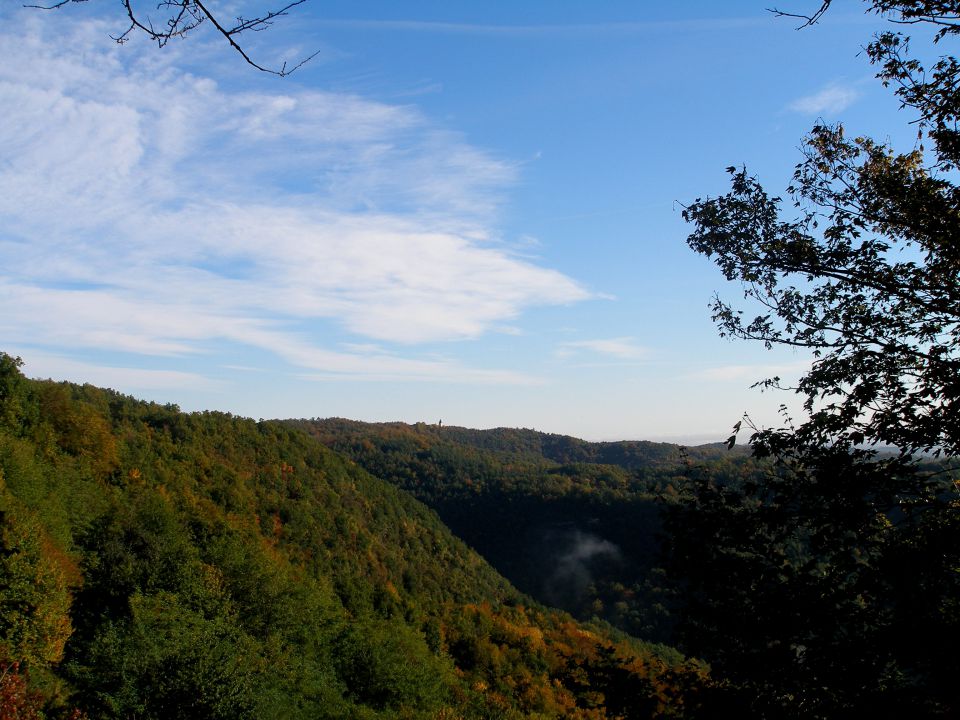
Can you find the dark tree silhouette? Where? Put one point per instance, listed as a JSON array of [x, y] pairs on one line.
[[828, 587]]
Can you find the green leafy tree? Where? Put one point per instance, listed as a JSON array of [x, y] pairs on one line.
[[387, 665], [170, 660], [803, 585], [12, 392], [35, 580]]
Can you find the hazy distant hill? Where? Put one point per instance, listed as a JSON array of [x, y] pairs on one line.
[[532, 445], [563, 449]]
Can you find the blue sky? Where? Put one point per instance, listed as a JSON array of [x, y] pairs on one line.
[[457, 210]]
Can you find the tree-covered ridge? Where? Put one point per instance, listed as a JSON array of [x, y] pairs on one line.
[[556, 515], [161, 564], [437, 462], [567, 450]]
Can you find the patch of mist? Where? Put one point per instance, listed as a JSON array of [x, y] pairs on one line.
[[579, 558]]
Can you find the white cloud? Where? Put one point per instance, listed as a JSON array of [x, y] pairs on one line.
[[832, 99], [147, 210], [40, 365], [622, 348]]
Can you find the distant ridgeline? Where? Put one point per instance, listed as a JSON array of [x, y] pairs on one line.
[[575, 524], [157, 564]]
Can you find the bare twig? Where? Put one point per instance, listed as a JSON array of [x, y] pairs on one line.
[[808, 19], [184, 16], [54, 6]]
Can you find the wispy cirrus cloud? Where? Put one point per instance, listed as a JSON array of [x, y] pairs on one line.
[[833, 98], [45, 365], [145, 209], [752, 373], [551, 29], [620, 348]]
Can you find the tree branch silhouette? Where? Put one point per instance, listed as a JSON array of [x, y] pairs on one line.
[[181, 17]]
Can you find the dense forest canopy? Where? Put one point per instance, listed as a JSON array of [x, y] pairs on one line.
[[160, 564], [575, 524]]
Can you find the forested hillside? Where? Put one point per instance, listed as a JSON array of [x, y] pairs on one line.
[[573, 523], [159, 564], [671, 551]]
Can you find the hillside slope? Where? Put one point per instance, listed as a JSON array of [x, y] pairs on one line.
[[574, 524], [160, 564]]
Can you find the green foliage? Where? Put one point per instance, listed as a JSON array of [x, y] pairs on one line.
[[168, 659], [388, 666], [35, 580], [79, 428], [11, 392], [572, 523], [158, 564]]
